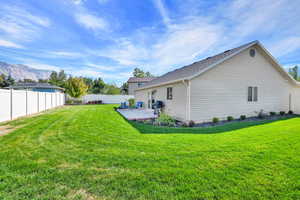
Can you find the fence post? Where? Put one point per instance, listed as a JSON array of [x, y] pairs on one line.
[[11, 104], [26, 101], [45, 100], [38, 101]]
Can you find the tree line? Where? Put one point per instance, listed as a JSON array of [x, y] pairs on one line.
[[78, 86]]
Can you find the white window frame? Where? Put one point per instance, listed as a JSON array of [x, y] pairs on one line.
[[252, 94]]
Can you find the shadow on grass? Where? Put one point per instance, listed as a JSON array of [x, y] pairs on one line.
[[150, 129]]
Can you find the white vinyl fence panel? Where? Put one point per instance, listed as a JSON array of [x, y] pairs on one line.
[[4, 105], [107, 99], [18, 103], [32, 102], [48, 100], [42, 101]]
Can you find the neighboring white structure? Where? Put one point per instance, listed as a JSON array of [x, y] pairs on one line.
[[106, 99], [19, 103], [240, 81], [135, 83]]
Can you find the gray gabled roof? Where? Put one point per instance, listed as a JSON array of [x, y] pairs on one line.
[[189, 71], [140, 80]]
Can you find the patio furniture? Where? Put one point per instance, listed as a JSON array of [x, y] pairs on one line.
[[139, 104]]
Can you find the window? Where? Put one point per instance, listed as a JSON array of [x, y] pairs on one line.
[[169, 93], [140, 84], [252, 52], [255, 94], [252, 94]]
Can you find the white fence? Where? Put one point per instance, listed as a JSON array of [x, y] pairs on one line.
[[106, 99], [18, 103]]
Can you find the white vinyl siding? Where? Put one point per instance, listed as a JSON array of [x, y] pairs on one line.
[[175, 108], [222, 91]]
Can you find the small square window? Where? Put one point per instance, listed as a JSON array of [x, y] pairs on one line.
[[169, 93]]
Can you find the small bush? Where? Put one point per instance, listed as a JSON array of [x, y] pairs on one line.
[[191, 123], [272, 113], [69, 101], [215, 120], [185, 124], [165, 120], [282, 113], [131, 102], [261, 114], [242, 117], [230, 118], [291, 112]]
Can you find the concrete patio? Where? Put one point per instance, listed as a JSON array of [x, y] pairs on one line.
[[137, 114]]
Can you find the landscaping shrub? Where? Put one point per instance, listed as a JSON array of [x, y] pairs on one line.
[[191, 123], [131, 102], [215, 120], [165, 120], [261, 114], [230, 118], [242, 117], [69, 101], [282, 113], [185, 124], [291, 112], [272, 113]]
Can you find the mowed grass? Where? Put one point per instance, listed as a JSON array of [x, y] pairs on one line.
[[91, 152]]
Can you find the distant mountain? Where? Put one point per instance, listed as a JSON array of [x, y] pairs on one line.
[[20, 72]]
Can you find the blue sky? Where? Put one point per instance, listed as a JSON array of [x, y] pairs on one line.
[[108, 38]]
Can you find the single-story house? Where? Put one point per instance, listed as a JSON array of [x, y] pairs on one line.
[[37, 87], [136, 82], [239, 81]]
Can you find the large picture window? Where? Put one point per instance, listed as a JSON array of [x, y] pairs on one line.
[[169, 93]]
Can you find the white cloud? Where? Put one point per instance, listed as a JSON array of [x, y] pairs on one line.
[[162, 11], [19, 24], [77, 2], [5, 43], [44, 66], [103, 67], [90, 21], [65, 54], [184, 42], [103, 1], [285, 46], [181, 44]]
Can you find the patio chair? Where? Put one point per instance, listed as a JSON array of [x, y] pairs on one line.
[[139, 104]]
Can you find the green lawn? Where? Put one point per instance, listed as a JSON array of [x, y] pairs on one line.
[[91, 152]]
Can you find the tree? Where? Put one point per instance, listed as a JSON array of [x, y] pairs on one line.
[[148, 74], [76, 87], [124, 88], [137, 72], [294, 72], [58, 79], [89, 83], [43, 80], [6, 81], [111, 89], [2, 81], [10, 81], [28, 80], [98, 86]]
